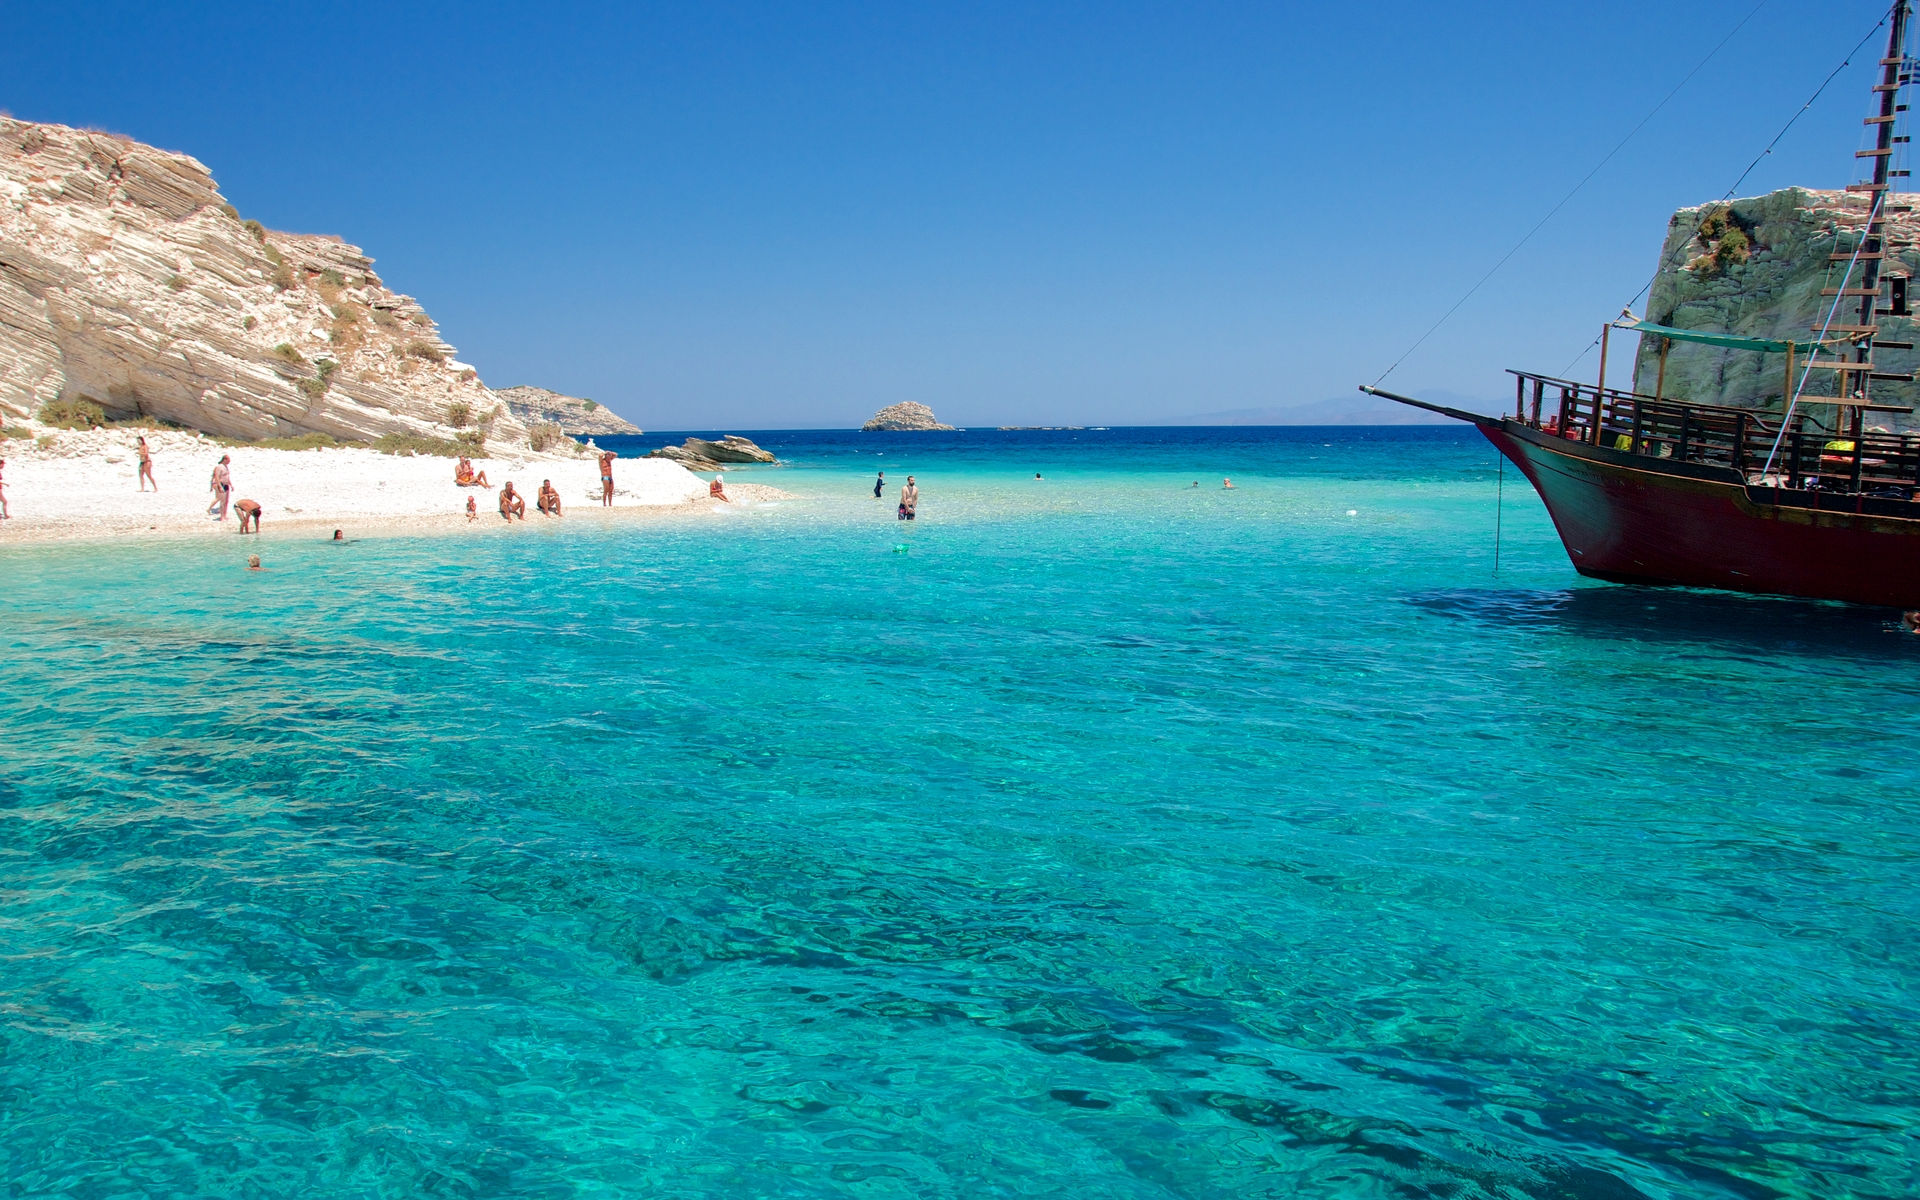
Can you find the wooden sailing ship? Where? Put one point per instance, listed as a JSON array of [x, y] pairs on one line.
[[1810, 500]]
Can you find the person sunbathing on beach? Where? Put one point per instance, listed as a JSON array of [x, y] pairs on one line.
[[465, 476], [548, 501], [511, 505], [249, 510], [716, 491], [473, 511]]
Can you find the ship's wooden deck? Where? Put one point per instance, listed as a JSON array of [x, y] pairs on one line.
[[1807, 456]]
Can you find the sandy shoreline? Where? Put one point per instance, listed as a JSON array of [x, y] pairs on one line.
[[84, 487]]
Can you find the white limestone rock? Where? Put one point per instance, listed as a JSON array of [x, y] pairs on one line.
[[127, 281], [575, 416], [904, 418]]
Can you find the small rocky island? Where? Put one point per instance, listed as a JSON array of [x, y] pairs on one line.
[[576, 417], [699, 454], [904, 418]]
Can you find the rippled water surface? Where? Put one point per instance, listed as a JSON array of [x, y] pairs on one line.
[[1096, 835]]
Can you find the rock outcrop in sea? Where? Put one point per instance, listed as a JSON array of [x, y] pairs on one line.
[[1756, 267], [130, 288], [904, 418], [575, 416], [699, 454]]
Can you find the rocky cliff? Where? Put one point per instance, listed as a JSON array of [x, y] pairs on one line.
[[1756, 267], [128, 282], [575, 416], [904, 418]]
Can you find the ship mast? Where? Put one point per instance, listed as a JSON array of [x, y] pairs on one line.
[[1893, 76]]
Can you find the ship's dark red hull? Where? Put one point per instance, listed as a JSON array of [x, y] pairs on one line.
[[1632, 518]]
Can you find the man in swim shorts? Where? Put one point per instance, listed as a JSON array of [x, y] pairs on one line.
[[249, 510], [909, 500], [511, 503], [606, 479], [548, 501]]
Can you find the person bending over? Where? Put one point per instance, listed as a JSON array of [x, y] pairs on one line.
[[512, 504], [548, 501], [249, 511]]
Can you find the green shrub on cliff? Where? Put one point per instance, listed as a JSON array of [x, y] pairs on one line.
[[287, 354], [1732, 248], [544, 434], [414, 443], [72, 413]]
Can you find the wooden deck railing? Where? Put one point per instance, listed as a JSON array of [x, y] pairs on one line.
[[1809, 455]]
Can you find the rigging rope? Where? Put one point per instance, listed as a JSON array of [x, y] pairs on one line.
[[1786, 418], [1528, 236], [1566, 372]]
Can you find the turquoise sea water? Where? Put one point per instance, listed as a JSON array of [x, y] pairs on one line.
[[1095, 836]]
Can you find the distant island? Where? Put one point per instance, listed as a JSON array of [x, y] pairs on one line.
[[906, 417]]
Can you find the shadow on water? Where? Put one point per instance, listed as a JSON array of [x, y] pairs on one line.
[[1758, 625]]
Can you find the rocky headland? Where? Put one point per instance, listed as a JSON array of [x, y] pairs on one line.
[[575, 416], [907, 417], [700, 454], [1756, 267], [130, 288]]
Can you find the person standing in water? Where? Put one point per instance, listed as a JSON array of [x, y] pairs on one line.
[[879, 485], [909, 500], [606, 479], [146, 466]]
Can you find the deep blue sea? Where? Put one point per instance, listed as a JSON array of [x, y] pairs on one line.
[[1096, 836]]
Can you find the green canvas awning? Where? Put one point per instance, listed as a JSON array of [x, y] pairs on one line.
[[1731, 341]]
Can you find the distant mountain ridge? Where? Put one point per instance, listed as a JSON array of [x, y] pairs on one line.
[[1357, 409], [575, 416]]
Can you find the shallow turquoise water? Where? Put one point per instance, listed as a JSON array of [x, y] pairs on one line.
[[1113, 838]]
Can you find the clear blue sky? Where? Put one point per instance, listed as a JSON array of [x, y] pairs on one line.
[[755, 216]]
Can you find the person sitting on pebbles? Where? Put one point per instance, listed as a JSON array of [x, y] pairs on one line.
[[465, 476], [512, 504], [716, 491], [548, 501], [249, 511]]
